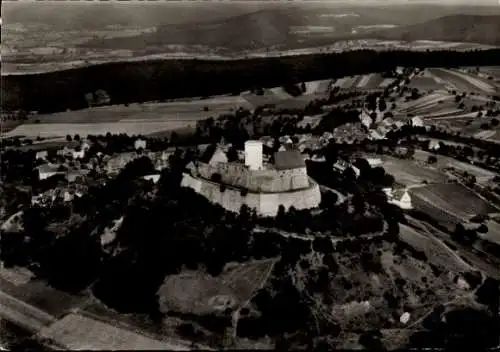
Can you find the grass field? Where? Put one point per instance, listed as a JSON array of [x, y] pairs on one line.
[[453, 199], [408, 173], [199, 293], [317, 87], [41, 296], [464, 82], [435, 250], [143, 118], [425, 83], [360, 82], [75, 331], [444, 162], [84, 129]]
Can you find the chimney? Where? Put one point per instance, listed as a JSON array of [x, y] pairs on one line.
[[253, 154]]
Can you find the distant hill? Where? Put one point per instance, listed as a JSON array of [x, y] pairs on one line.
[[275, 28], [454, 28], [260, 29]]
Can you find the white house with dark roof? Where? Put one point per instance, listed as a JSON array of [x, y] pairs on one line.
[[399, 197]]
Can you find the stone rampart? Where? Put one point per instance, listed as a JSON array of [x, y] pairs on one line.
[[259, 181], [266, 204]]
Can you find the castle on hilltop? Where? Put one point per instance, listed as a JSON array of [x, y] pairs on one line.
[[262, 186]]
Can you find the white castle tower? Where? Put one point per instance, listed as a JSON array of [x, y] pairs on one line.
[[253, 154]]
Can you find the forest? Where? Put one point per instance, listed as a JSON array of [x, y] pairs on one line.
[[159, 80]]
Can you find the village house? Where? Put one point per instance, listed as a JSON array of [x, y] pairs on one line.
[[374, 134], [374, 161], [118, 162], [41, 155], [47, 170], [14, 223], [342, 165], [140, 144], [267, 141], [388, 122], [365, 119], [399, 197], [152, 177], [417, 122], [434, 144]]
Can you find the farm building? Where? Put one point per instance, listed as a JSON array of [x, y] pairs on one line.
[[260, 185]]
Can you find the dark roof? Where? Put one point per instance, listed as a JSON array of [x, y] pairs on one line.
[[288, 159]]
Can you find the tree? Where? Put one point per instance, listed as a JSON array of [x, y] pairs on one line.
[[303, 87], [89, 97], [232, 154], [101, 97], [68, 138], [382, 105], [76, 137]]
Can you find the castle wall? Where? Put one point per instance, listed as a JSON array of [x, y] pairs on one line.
[[266, 204], [268, 180]]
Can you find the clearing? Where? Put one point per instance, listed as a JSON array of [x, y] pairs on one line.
[[200, 293]]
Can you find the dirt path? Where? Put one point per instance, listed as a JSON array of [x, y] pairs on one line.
[[23, 314]]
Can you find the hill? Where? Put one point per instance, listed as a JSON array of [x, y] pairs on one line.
[[453, 28]]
